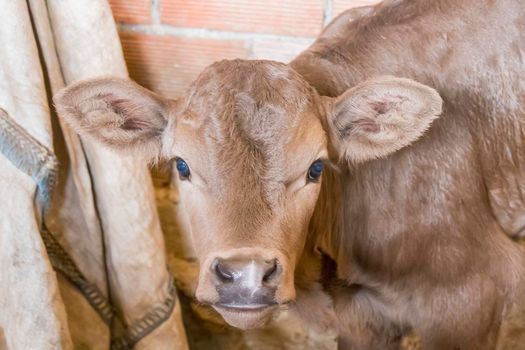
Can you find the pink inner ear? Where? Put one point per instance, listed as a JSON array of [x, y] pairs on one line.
[[120, 106], [381, 107], [135, 124], [128, 110], [367, 124]]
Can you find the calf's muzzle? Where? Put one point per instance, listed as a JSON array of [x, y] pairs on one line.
[[246, 282]]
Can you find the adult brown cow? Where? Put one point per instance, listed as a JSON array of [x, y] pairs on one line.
[[416, 240]]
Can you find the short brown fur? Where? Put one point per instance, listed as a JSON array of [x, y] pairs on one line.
[[425, 231]]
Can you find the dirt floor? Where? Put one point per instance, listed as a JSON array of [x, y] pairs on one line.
[[206, 330]]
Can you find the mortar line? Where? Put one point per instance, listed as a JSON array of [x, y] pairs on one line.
[[328, 11], [201, 33], [155, 12]]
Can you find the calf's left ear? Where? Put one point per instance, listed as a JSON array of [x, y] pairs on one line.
[[380, 116]]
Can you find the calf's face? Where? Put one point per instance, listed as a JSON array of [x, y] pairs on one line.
[[250, 140]]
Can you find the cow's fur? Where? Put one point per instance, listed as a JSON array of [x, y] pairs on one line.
[[423, 234], [416, 240]]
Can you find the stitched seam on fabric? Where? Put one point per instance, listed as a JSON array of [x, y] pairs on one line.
[[148, 323], [62, 262]]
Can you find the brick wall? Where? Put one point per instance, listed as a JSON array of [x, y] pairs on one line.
[[168, 42]]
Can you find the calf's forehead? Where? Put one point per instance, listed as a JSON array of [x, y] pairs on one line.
[[247, 103], [242, 120], [242, 84]]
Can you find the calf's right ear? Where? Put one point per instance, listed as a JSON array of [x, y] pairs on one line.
[[380, 116], [117, 112]]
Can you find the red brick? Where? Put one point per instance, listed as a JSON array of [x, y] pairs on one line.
[[135, 11], [290, 17], [168, 64], [341, 5]]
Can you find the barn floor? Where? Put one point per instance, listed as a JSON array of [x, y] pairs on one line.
[[205, 329]]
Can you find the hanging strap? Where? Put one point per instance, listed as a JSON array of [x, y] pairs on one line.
[[28, 155]]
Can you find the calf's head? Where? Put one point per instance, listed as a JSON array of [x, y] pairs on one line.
[[250, 140]]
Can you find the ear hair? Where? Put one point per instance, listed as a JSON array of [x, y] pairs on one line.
[[118, 112], [380, 116]]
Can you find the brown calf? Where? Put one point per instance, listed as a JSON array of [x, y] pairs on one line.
[[416, 240]]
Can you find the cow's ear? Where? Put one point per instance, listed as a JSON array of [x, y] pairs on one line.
[[380, 116], [116, 112]]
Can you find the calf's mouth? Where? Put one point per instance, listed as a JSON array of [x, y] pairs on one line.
[[246, 316]]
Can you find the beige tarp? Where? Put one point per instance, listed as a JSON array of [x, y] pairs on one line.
[[102, 211]]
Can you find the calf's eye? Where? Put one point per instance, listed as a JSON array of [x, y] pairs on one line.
[[182, 168], [315, 171]]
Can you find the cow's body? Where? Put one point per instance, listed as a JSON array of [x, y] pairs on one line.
[[424, 234]]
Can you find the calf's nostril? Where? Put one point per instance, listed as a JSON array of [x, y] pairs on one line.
[[271, 271], [221, 271]]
